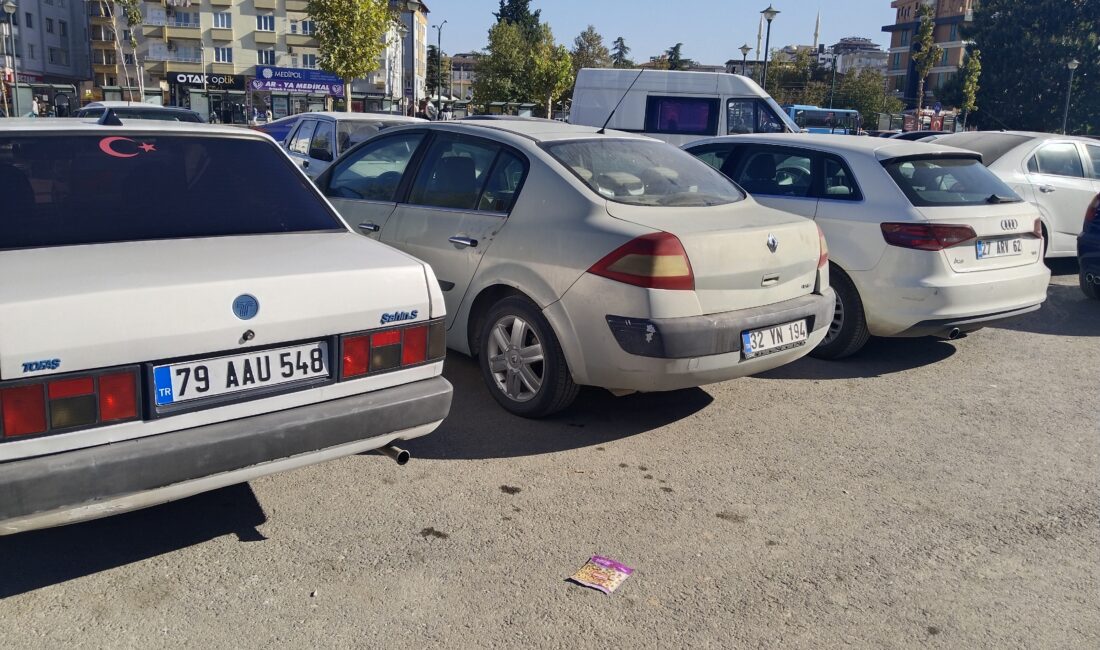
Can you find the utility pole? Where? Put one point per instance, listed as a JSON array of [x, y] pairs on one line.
[[439, 66]]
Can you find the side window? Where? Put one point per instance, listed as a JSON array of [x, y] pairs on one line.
[[776, 173], [453, 173], [1060, 159], [716, 157], [504, 183], [839, 183], [373, 172], [681, 115], [320, 147], [300, 142], [1094, 155], [751, 116]]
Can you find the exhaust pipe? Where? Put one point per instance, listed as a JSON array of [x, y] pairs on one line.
[[954, 334], [401, 456]]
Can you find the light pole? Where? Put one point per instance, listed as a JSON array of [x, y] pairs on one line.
[[769, 15], [832, 90], [439, 66], [745, 49], [1072, 65], [9, 9]]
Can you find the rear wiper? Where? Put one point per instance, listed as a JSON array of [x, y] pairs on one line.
[[996, 198]]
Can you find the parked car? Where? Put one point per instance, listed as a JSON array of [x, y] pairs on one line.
[[137, 110], [570, 257], [1088, 251], [1059, 174], [923, 239], [917, 136], [280, 128], [181, 310], [319, 138]]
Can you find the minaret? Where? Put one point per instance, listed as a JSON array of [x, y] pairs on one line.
[[817, 30], [759, 36]]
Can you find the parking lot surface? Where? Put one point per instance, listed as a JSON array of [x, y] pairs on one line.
[[923, 493]]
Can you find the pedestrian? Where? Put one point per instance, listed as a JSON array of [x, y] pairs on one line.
[[268, 115], [422, 111], [34, 105], [213, 117]]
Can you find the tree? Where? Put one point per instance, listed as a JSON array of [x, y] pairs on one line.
[[518, 12], [972, 72], [516, 69], [434, 78], [927, 54], [589, 51], [865, 91], [676, 61], [551, 69], [351, 37], [620, 54], [131, 14]]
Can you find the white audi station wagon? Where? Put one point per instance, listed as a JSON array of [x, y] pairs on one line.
[[568, 256], [180, 310]]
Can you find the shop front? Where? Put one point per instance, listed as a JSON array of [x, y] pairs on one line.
[[55, 99], [216, 97], [289, 91]]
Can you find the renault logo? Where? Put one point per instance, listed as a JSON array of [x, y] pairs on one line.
[[1009, 224], [773, 243]]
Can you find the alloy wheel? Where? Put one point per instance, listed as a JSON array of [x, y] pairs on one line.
[[516, 358], [837, 324]]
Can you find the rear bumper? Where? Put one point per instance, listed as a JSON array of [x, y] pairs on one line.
[[100, 481], [944, 327]]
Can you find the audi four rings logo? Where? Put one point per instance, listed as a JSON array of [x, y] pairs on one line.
[[1009, 224], [773, 243]]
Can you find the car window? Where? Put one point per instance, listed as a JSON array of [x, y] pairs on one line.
[[776, 173], [839, 183], [84, 189], [504, 183], [453, 174], [320, 146], [643, 172], [1094, 156], [351, 132], [373, 172], [751, 116], [715, 156], [299, 143], [948, 181], [1057, 159], [681, 115]]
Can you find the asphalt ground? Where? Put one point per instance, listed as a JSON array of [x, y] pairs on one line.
[[921, 494]]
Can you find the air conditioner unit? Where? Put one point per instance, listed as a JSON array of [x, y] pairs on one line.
[[290, 49], [171, 46]]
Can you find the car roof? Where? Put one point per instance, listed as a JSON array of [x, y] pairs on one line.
[[122, 104], [78, 126], [538, 130], [880, 148], [366, 117]]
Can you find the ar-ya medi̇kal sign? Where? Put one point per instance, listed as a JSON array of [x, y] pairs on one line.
[[297, 80]]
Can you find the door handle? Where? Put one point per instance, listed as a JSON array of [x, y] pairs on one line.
[[1047, 189], [463, 241], [367, 226], [305, 164]]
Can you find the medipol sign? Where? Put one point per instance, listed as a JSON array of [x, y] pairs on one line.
[[297, 80]]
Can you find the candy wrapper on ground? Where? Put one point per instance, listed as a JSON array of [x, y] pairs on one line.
[[603, 574]]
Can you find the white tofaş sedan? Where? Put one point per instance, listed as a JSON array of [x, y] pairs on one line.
[[180, 310], [568, 256]]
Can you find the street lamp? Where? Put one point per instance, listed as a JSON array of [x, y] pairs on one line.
[[745, 49], [9, 9], [439, 65], [769, 15], [1072, 65], [832, 90]]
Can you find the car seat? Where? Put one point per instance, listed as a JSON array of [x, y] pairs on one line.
[[453, 183], [16, 190], [759, 175]]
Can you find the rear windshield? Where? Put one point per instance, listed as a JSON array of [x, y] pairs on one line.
[[641, 172], [948, 181], [164, 115], [62, 190], [352, 132], [991, 145]]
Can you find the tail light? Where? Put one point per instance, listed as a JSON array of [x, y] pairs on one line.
[[823, 258], [393, 348], [1037, 228], [1093, 211], [654, 261], [926, 237], [59, 404]]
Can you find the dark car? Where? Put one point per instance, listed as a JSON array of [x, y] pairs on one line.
[[917, 135], [138, 111], [1088, 251], [278, 129]]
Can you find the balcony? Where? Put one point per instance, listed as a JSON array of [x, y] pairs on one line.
[[172, 57], [102, 44], [187, 30], [264, 4], [221, 3], [302, 40], [265, 38], [179, 66], [104, 68], [221, 33], [222, 68], [296, 5]]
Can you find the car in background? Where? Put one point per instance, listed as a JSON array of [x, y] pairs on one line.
[[1088, 251], [1059, 174], [139, 111], [280, 128], [164, 333], [923, 240], [917, 136], [319, 138], [569, 256]]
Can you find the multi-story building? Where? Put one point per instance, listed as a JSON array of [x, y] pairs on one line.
[[463, 75], [855, 53], [414, 47], [951, 16], [50, 57]]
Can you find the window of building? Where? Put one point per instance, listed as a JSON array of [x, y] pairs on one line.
[[307, 27], [309, 61], [30, 51], [294, 60], [128, 59], [954, 32], [897, 61], [58, 56], [904, 37], [186, 19], [223, 20], [28, 20], [49, 25], [265, 23], [265, 57], [223, 55], [943, 59], [49, 2], [63, 28], [127, 35]]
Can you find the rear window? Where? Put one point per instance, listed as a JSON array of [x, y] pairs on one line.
[[681, 115], [642, 172], [66, 190], [164, 115], [991, 145], [948, 181], [351, 132]]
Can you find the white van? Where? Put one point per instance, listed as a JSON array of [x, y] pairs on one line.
[[674, 105]]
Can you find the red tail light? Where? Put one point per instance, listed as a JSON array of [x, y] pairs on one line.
[[117, 397], [24, 409], [823, 258], [356, 355], [394, 348], [655, 261], [65, 403], [1093, 211], [414, 345], [926, 237]]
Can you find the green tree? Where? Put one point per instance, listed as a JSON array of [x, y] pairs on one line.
[[676, 60], [516, 69], [794, 80], [865, 91], [589, 51], [551, 69], [351, 37], [518, 12], [620, 54], [433, 77], [132, 17], [972, 73], [927, 54]]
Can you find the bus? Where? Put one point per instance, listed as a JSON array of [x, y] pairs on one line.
[[815, 119]]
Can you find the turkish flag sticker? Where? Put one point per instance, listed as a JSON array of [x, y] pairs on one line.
[[119, 147]]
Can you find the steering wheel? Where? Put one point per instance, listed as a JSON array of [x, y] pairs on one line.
[[793, 176]]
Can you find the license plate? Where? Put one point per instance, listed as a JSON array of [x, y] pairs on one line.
[[756, 343], [999, 247], [182, 382]]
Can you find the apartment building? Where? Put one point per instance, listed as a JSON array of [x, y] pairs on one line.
[[951, 16], [50, 56], [414, 48], [463, 74]]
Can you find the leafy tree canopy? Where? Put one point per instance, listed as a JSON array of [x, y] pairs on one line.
[[515, 69], [518, 12], [620, 54], [589, 51], [351, 36]]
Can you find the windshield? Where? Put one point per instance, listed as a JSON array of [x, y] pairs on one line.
[[63, 190], [948, 181], [352, 132], [642, 172]]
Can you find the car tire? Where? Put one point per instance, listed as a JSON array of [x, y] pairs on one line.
[[848, 331], [527, 387], [1090, 289]]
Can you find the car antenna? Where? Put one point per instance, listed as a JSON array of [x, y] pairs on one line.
[[109, 118], [612, 113]]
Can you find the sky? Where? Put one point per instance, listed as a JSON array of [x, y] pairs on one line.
[[711, 30]]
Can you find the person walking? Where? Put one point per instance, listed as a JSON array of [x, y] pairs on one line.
[[34, 105]]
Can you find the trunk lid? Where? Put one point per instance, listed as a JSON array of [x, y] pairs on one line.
[[728, 248], [111, 304], [1005, 226]]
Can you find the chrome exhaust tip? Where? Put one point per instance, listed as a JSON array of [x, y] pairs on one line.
[[954, 334], [399, 455]]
